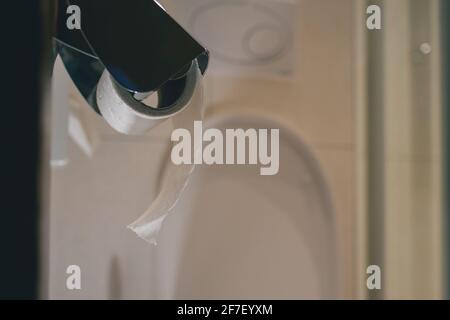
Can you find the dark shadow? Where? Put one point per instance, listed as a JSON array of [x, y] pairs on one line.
[[115, 283]]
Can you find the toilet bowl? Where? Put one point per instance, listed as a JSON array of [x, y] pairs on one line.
[[235, 234]]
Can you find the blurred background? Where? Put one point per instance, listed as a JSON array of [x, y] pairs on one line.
[[363, 177]]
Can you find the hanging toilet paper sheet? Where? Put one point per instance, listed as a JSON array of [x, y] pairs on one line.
[[175, 178], [132, 117]]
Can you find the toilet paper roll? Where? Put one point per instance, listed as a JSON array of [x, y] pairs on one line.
[[175, 177], [132, 117]]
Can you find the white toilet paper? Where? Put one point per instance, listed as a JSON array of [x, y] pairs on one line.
[[131, 117]]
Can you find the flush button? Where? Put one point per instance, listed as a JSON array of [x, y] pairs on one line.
[[241, 32], [264, 42], [244, 37]]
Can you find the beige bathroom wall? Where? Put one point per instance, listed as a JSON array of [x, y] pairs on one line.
[[398, 99]]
